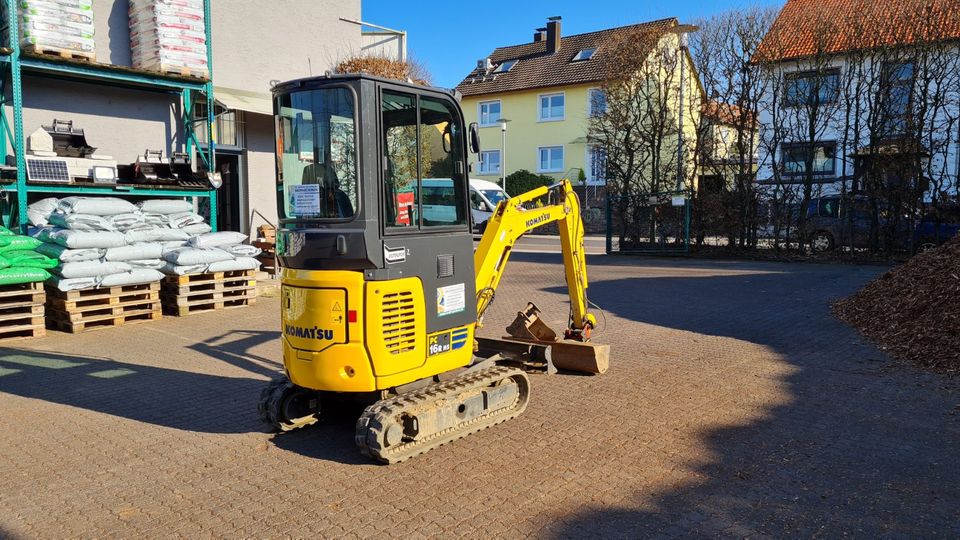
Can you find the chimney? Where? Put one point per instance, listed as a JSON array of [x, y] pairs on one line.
[[539, 35], [553, 34]]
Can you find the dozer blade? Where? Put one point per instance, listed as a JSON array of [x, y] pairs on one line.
[[401, 427], [549, 355]]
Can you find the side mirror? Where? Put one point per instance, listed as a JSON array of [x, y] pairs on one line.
[[474, 138]]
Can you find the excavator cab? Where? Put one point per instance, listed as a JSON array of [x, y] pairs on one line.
[[381, 288], [375, 239]]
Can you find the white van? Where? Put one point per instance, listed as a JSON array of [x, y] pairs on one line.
[[484, 197], [438, 196]]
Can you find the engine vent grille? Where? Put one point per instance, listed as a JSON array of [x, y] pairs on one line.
[[444, 266], [399, 322]]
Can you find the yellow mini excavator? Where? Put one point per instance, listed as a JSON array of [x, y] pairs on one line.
[[382, 292]]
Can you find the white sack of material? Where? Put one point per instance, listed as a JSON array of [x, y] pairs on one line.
[[160, 220], [139, 251], [73, 284], [153, 264], [136, 276], [84, 269], [187, 256], [165, 206], [156, 235], [60, 253], [80, 222], [98, 206], [82, 239], [178, 221], [39, 212], [197, 228], [243, 250], [179, 270], [240, 263], [127, 222], [218, 239]]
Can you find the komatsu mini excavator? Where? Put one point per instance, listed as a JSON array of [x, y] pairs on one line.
[[382, 292]]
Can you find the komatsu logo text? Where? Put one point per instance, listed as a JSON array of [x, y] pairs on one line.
[[308, 333], [537, 220]]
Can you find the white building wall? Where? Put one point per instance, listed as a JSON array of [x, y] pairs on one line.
[[833, 129]]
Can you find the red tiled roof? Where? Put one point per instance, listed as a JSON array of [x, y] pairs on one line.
[[725, 113], [810, 27], [537, 69]]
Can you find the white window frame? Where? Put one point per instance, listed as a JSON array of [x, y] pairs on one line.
[[579, 58], [563, 159], [588, 161], [480, 112], [486, 172], [590, 92], [540, 97]]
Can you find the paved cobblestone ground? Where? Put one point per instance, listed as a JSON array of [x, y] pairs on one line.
[[735, 406]]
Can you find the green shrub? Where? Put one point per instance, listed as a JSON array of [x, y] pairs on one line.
[[523, 181]]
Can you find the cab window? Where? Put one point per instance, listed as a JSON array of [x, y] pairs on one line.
[[424, 182]]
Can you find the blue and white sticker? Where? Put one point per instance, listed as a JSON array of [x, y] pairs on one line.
[[451, 299]]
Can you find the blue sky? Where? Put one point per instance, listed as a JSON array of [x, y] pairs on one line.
[[449, 37]]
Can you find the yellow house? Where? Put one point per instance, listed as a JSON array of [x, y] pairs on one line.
[[547, 90]]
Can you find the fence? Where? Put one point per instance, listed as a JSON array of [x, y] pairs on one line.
[[649, 222]]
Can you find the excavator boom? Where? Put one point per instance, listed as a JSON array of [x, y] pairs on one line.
[[519, 215]]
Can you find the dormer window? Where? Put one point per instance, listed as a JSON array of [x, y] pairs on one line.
[[505, 66], [584, 54]]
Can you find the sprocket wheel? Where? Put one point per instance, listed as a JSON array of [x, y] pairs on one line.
[[286, 406]]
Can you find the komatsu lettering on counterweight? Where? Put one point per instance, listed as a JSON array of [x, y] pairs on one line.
[[308, 332]]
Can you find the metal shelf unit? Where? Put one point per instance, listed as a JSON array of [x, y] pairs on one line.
[[14, 64]]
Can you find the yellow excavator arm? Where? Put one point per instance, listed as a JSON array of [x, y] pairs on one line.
[[519, 215]]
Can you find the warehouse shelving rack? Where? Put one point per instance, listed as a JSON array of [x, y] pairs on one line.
[[15, 63]]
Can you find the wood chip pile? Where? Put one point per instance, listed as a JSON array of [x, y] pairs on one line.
[[913, 311]]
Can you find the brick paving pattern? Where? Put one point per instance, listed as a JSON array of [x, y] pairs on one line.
[[735, 406]]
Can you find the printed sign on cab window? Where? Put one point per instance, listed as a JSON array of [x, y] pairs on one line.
[[306, 199], [451, 299]]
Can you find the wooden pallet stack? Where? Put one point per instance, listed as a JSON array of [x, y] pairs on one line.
[[79, 311], [197, 293], [267, 241], [21, 311]]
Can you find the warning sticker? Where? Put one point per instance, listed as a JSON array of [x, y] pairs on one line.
[[451, 299], [306, 199]]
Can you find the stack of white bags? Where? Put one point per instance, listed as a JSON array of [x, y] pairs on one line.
[[58, 24], [168, 35], [106, 242]]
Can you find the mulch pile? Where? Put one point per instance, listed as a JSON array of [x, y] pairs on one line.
[[913, 311]]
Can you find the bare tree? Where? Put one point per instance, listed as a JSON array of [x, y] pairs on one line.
[[639, 128]]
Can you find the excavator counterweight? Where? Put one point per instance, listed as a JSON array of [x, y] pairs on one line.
[[382, 292]]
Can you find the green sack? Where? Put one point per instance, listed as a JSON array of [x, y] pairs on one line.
[[12, 276], [5, 231], [16, 243], [22, 258], [3, 263]]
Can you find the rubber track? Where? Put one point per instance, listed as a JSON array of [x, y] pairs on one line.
[[377, 416]]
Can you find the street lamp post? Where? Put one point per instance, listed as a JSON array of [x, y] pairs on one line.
[[503, 153]]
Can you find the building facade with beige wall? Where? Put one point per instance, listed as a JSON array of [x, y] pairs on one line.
[[548, 90]]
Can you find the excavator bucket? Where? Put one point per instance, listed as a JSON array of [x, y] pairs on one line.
[[529, 325], [562, 354]]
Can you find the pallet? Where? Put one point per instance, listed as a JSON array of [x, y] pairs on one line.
[[104, 321], [57, 52], [91, 309], [197, 293], [123, 291], [22, 311]]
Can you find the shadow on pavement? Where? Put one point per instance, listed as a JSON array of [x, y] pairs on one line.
[[859, 447], [234, 348], [165, 397]]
